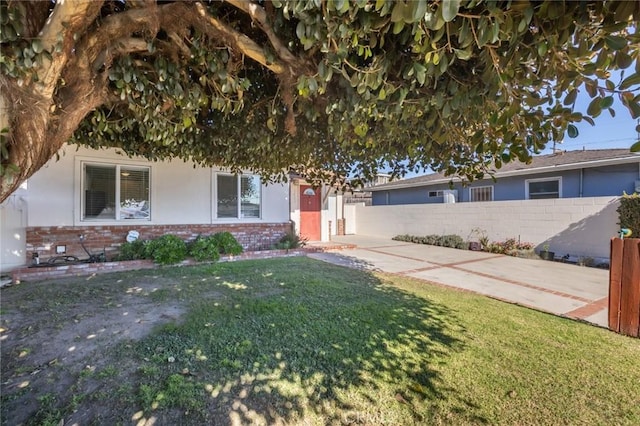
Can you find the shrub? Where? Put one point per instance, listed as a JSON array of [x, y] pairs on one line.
[[453, 241], [629, 213], [132, 250], [509, 246], [227, 243], [204, 248], [290, 240], [166, 250]]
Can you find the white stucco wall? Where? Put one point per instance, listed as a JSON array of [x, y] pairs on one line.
[[574, 226], [180, 193], [350, 218], [13, 217]]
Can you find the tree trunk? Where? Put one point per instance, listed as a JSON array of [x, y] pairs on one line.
[[43, 109], [36, 133]]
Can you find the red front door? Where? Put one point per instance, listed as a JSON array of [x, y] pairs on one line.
[[310, 213]]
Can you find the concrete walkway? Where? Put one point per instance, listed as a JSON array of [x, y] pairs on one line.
[[562, 289]]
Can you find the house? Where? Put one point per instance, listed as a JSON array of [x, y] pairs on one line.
[[362, 194], [567, 174], [103, 195]]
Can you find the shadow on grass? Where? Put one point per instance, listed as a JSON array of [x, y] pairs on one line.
[[299, 341], [344, 260]]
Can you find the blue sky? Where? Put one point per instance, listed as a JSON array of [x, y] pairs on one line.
[[618, 132], [608, 132]]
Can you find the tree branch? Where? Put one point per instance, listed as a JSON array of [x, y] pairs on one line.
[[258, 15], [68, 18], [130, 45], [241, 41]]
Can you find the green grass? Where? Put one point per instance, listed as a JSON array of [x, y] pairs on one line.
[[302, 342]]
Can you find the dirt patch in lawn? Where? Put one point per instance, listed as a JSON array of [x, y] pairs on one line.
[[53, 333]]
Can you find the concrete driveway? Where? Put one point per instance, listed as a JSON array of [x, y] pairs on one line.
[[562, 289]]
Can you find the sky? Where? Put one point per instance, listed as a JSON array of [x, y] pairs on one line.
[[618, 132], [608, 132]]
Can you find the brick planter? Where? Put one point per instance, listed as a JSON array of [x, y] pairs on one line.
[[82, 269], [44, 239]]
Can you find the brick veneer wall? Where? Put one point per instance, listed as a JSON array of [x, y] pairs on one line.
[[83, 269], [44, 239]]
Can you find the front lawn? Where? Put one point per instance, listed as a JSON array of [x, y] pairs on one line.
[[297, 341]]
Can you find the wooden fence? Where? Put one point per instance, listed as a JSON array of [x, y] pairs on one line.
[[624, 286]]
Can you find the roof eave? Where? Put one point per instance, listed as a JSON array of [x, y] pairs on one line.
[[522, 172]]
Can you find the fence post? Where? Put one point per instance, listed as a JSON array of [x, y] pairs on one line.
[[615, 282], [624, 286]]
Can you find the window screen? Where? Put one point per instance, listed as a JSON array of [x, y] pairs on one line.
[[238, 197], [544, 189], [114, 192]]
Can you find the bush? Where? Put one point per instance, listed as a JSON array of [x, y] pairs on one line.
[[509, 247], [629, 213], [132, 250], [453, 241], [166, 250], [204, 248], [402, 238], [227, 243], [290, 240]]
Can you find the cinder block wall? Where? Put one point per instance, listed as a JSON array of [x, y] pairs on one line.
[[574, 226], [44, 239]]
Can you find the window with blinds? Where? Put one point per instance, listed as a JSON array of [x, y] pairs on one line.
[[481, 193], [115, 192]]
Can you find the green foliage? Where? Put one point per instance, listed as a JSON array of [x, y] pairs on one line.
[[405, 97], [205, 248], [453, 241], [510, 247], [166, 250], [291, 240], [227, 243], [177, 391], [132, 250], [348, 86], [48, 414], [170, 249], [629, 213]]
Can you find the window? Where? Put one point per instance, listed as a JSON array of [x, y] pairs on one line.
[[537, 189], [481, 193], [115, 192], [238, 197], [435, 194]]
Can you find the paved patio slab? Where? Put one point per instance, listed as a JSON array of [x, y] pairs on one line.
[[562, 289]]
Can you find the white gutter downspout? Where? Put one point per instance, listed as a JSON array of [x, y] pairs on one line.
[[581, 182]]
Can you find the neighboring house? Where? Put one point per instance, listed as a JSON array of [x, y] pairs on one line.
[[103, 195], [363, 195], [570, 174]]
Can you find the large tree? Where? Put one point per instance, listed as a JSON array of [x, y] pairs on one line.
[[342, 86]]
